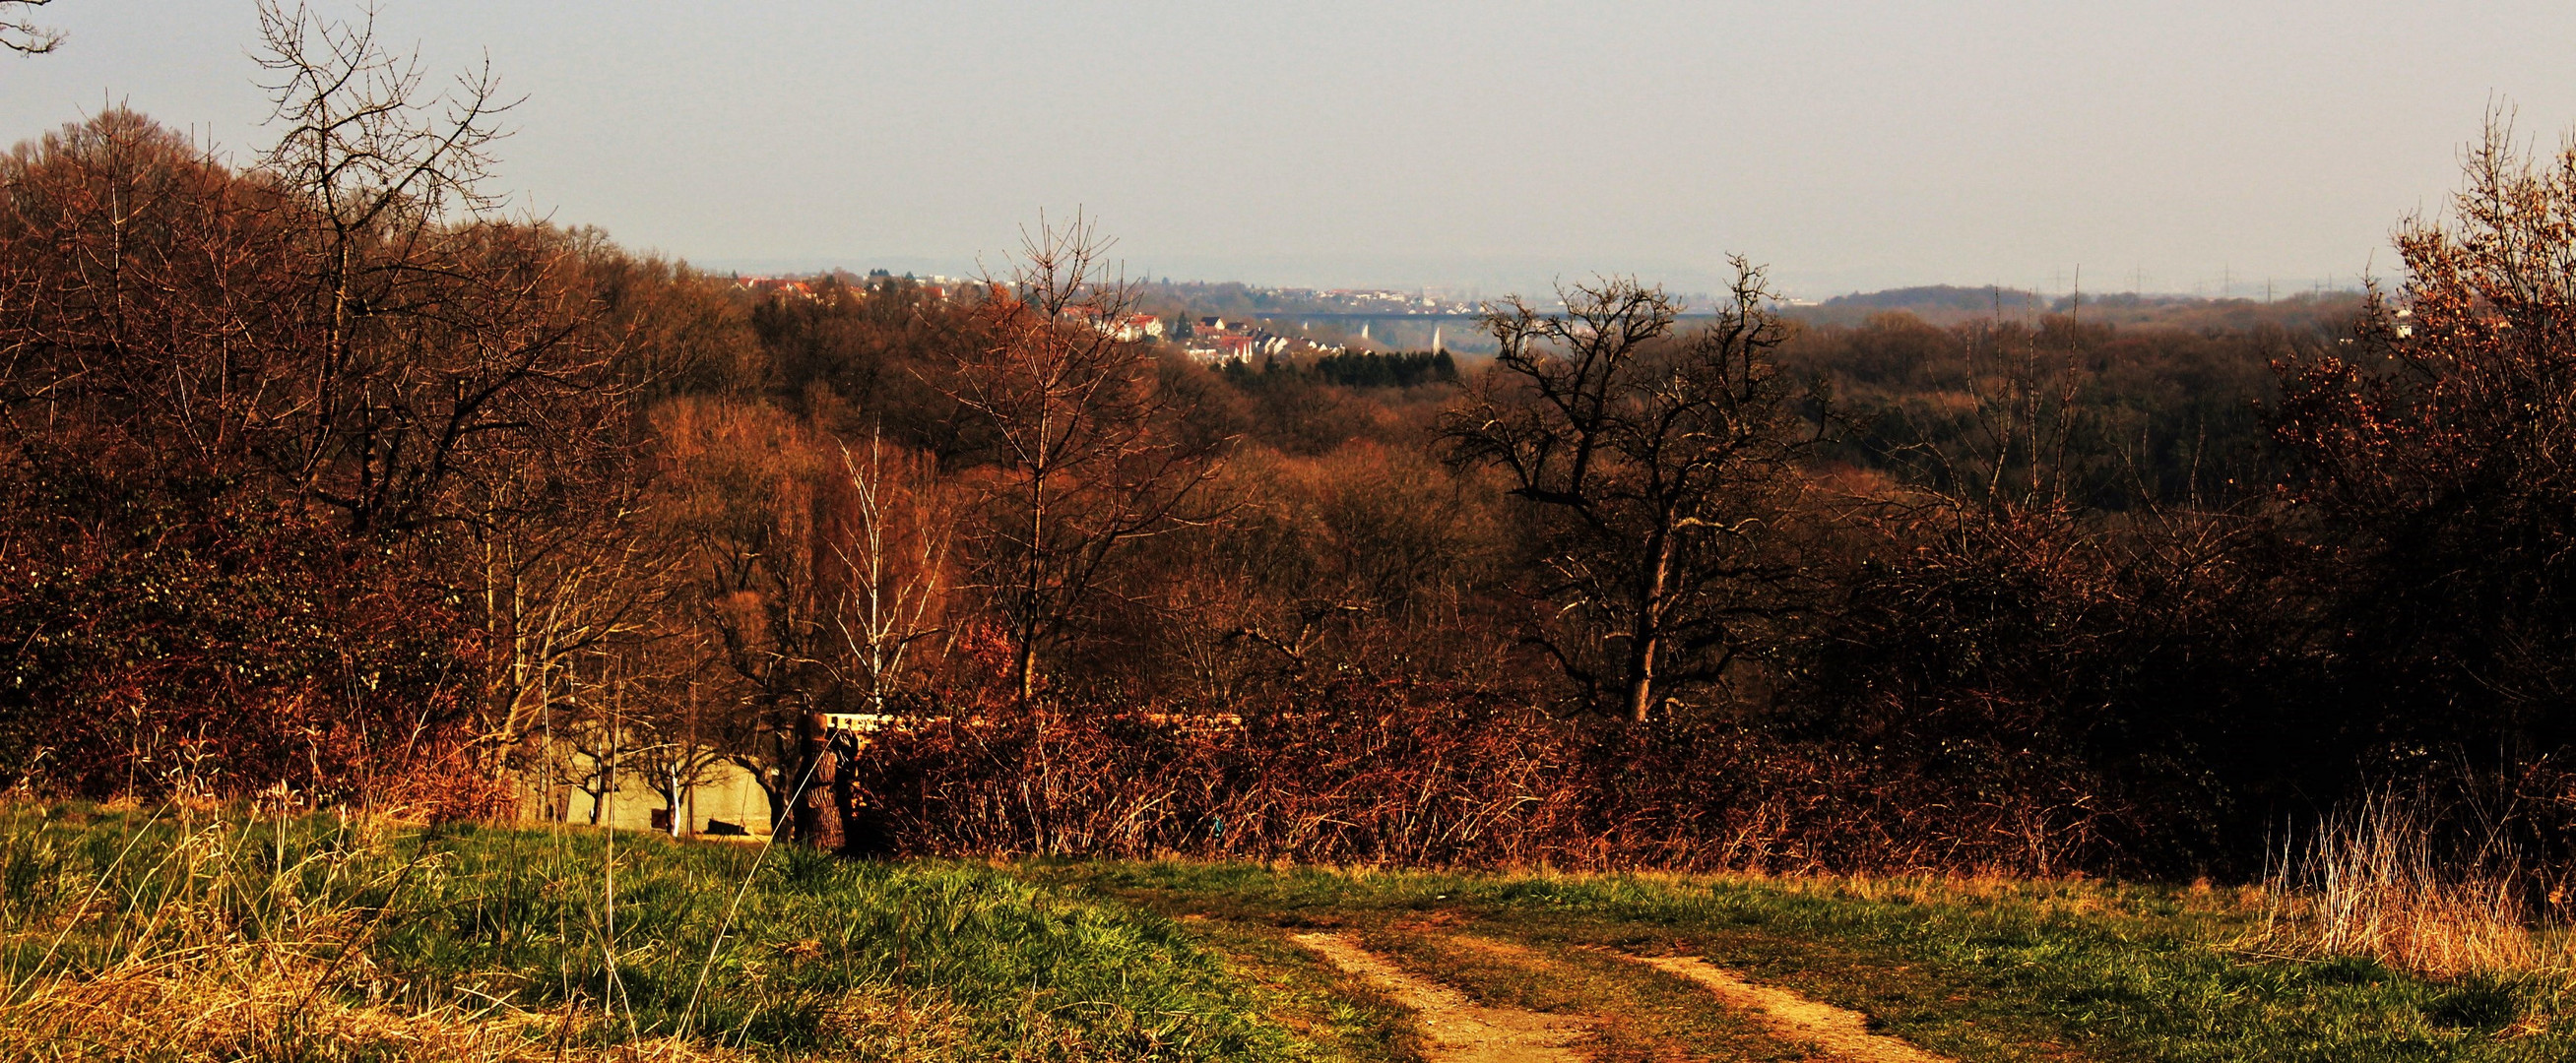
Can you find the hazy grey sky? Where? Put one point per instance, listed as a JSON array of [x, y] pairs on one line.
[[1495, 144]]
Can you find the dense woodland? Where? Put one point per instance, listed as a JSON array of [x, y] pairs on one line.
[[318, 471]]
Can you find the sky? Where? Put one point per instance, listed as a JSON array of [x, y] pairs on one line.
[[1477, 147]]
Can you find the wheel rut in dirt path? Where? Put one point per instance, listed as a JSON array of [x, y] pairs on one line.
[[1843, 1034], [1460, 1030]]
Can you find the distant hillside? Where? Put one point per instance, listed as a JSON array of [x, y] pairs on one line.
[[1950, 304], [1921, 298]]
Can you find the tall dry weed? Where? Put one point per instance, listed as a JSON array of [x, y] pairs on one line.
[[211, 937], [2372, 881]]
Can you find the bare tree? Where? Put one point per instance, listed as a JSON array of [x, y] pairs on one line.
[[360, 137], [433, 365], [894, 564], [751, 493], [2026, 416], [2442, 436], [1656, 468], [20, 33], [436, 347], [347, 329], [1085, 463], [553, 591], [679, 736]]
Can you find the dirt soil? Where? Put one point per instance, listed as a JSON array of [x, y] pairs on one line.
[[1843, 1034], [1460, 1030]]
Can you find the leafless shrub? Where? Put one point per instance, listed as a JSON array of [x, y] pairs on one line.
[[1365, 774]]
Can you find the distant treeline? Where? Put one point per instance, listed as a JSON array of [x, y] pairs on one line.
[[2133, 416], [1948, 304], [1356, 369]]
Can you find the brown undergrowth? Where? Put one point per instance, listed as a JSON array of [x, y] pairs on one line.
[[1363, 775]]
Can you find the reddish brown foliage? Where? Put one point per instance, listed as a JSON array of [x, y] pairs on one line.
[[1385, 775], [166, 639]]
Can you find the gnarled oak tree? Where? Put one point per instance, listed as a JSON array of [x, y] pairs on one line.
[[1657, 468]]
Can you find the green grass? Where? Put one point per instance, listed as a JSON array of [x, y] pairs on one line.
[[814, 944], [311, 931], [1978, 971], [782, 953]]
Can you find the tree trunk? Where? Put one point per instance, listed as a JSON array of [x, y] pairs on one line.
[[781, 821], [673, 795], [1648, 637], [1024, 661], [818, 810], [1641, 690]]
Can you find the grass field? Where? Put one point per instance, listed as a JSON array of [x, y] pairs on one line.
[[192, 934], [1975, 970]]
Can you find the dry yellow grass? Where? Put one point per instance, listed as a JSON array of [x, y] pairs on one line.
[[238, 963], [178, 933], [883, 1021], [2370, 885], [184, 1012]]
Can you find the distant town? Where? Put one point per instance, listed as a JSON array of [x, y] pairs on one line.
[[1222, 323], [1219, 324]]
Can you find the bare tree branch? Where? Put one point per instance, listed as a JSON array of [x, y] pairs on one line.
[[20, 33]]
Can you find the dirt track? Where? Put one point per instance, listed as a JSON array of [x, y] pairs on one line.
[[1462, 1031], [1841, 1033]]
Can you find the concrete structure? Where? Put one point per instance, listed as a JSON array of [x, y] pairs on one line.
[[729, 796]]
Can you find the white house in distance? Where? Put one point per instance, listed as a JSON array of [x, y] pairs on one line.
[[1130, 328]]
